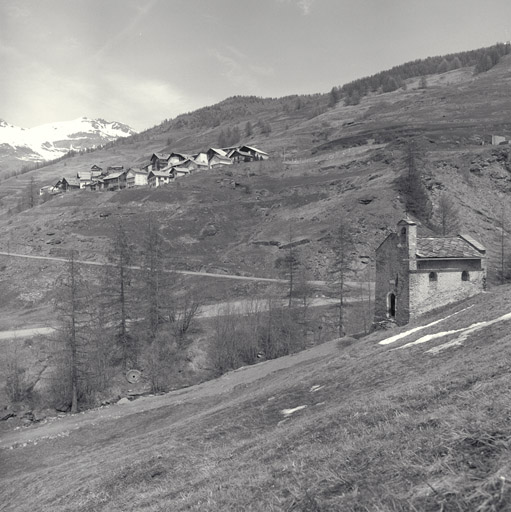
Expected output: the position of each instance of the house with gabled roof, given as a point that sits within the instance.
(189, 164)
(96, 171)
(180, 171)
(159, 178)
(136, 177)
(159, 161)
(416, 274)
(201, 159)
(237, 156)
(66, 184)
(217, 157)
(115, 181)
(178, 158)
(257, 154)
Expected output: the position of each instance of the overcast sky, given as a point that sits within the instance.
(141, 61)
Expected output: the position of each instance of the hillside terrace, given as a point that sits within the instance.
(162, 169)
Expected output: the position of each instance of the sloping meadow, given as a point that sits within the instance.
(364, 427)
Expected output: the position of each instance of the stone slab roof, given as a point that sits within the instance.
(447, 247)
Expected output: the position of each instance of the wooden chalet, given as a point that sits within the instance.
(178, 158)
(159, 161)
(257, 154)
(96, 171)
(115, 181)
(159, 178)
(136, 178)
(238, 156)
(67, 184)
(217, 157)
(201, 159)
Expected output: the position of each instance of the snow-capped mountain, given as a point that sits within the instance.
(53, 140)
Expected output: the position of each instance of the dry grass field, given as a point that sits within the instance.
(358, 427)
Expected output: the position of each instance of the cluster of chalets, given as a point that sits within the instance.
(162, 169)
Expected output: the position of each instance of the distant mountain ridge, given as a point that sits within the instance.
(53, 140)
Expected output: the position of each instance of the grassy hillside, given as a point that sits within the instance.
(335, 427)
(327, 163)
(360, 427)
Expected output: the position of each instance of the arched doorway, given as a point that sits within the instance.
(391, 305)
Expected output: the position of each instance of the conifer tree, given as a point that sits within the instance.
(118, 293)
(416, 198)
(342, 246)
(73, 308)
(448, 217)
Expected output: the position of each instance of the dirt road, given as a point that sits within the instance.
(350, 284)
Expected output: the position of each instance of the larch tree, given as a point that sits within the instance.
(118, 293)
(342, 247)
(289, 265)
(416, 197)
(154, 278)
(73, 309)
(448, 221)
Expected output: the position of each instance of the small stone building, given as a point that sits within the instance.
(417, 274)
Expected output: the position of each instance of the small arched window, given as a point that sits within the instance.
(433, 277)
(396, 282)
(465, 276)
(403, 234)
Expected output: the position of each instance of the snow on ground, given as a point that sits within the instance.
(288, 412)
(397, 337)
(40, 139)
(25, 333)
(464, 333)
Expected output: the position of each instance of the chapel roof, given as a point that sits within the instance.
(460, 246)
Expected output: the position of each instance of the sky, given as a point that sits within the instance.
(142, 61)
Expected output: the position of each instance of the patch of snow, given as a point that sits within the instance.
(288, 412)
(453, 343)
(315, 388)
(430, 337)
(466, 331)
(392, 339)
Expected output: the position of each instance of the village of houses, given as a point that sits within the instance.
(162, 169)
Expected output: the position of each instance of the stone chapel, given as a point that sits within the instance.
(418, 274)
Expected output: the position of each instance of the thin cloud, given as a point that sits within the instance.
(141, 13)
(305, 6)
(140, 101)
(239, 69)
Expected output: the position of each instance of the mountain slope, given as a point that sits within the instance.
(341, 164)
(358, 427)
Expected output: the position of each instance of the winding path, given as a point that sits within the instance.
(184, 272)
